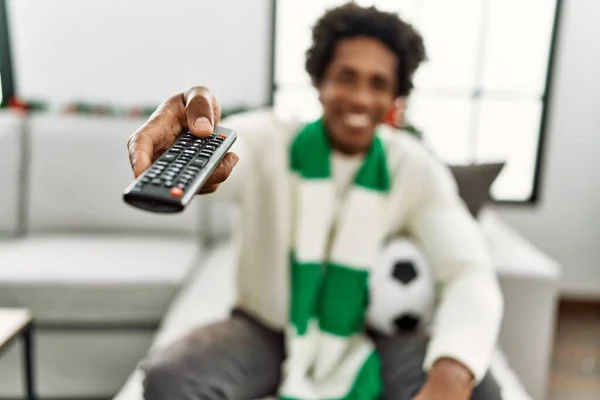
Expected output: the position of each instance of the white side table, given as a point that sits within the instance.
(15, 323)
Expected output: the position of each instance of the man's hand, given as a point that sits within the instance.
(196, 110)
(447, 380)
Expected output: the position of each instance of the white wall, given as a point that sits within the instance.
(138, 52)
(566, 224)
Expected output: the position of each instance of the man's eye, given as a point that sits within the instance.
(380, 84)
(345, 77)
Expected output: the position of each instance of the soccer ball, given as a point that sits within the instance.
(401, 290)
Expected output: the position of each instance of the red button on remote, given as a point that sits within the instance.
(176, 192)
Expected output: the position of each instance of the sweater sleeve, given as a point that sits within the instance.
(230, 190)
(470, 308)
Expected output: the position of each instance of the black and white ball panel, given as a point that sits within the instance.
(402, 289)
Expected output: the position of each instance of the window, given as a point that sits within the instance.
(6, 77)
(480, 97)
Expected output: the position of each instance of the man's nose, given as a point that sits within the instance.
(361, 97)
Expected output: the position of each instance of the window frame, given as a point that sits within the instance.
(7, 81)
(545, 99)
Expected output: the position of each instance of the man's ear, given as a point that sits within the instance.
(400, 106)
(395, 115)
(401, 103)
(319, 87)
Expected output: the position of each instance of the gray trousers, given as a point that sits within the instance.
(239, 359)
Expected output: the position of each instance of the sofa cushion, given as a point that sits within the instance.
(513, 254)
(94, 279)
(206, 297)
(78, 169)
(11, 128)
(474, 183)
(220, 220)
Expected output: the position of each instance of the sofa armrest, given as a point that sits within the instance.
(530, 284)
(11, 173)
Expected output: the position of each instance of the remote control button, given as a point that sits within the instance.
(163, 163)
(222, 135)
(151, 175)
(210, 147)
(175, 150)
(177, 192)
(168, 184)
(191, 152)
(178, 165)
(180, 186)
(169, 157)
(156, 181)
(145, 179)
(188, 175)
(192, 168)
(199, 162)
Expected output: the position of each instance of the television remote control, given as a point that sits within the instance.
(175, 177)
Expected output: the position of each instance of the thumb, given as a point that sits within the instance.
(203, 111)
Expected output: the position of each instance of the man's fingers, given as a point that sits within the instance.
(197, 110)
(203, 111)
(158, 133)
(223, 170)
(141, 148)
(209, 189)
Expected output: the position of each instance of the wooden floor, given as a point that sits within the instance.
(576, 363)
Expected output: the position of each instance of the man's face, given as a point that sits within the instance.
(357, 91)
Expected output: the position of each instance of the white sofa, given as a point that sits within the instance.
(107, 283)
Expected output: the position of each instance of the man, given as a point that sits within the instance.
(373, 183)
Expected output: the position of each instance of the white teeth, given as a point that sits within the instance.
(357, 120)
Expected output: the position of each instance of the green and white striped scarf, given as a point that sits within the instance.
(328, 355)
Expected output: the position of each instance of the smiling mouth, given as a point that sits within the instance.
(356, 120)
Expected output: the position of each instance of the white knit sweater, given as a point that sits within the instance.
(426, 206)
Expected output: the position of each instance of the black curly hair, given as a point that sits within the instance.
(351, 20)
